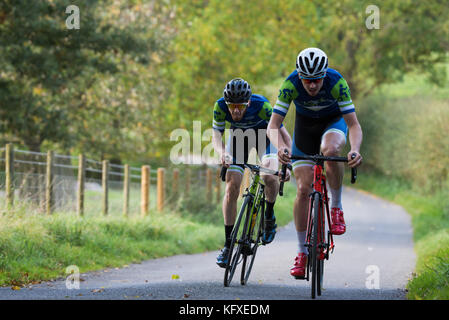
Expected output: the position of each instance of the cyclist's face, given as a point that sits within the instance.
(312, 86)
(237, 110)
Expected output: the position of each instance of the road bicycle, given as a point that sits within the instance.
(246, 235)
(319, 240)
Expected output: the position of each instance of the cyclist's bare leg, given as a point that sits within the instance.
(304, 180)
(331, 145)
(271, 181)
(233, 181)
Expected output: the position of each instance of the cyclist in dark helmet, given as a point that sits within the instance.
(248, 115)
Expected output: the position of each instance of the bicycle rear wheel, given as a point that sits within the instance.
(253, 241)
(235, 249)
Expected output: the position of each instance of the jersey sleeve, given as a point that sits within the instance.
(218, 122)
(266, 111)
(342, 94)
(287, 93)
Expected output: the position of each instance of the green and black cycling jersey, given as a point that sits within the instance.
(333, 99)
(257, 114)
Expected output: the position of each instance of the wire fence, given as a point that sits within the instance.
(50, 182)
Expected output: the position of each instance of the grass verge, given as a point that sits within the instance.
(35, 247)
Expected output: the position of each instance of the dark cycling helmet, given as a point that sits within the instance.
(237, 91)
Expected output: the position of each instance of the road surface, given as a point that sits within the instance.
(372, 260)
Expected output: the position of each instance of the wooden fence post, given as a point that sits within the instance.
(9, 171)
(145, 190)
(160, 188)
(175, 184)
(81, 184)
(187, 178)
(126, 190)
(49, 199)
(209, 183)
(104, 181)
(218, 185)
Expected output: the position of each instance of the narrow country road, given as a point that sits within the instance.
(373, 260)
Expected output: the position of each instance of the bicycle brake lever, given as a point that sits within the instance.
(223, 173)
(281, 186)
(353, 171)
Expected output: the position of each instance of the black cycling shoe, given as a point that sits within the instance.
(269, 230)
(222, 259)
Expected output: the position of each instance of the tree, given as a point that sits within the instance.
(48, 70)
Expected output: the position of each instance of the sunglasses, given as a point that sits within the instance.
(240, 106)
(309, 81)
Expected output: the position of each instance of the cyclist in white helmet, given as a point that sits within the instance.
(325, 114)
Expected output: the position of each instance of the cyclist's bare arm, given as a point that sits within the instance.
(219, 146)
(279, 137)
(355, 139)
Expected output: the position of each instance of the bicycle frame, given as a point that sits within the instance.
(256, 192)
(319, 186)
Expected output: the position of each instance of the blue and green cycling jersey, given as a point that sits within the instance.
(257, 114)
(334, 98)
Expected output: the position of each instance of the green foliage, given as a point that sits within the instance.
(88, 89)
(136, 70)
(222, 40)
(412, 36)
(407, 137)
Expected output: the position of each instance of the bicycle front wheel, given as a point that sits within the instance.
(235, 248)
(314, 254)
(253, 241)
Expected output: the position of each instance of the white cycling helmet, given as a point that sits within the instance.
(311, 63)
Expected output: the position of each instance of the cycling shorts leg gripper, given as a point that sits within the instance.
(339, 127)
(236, 168)
(302, 163)
(270, 156)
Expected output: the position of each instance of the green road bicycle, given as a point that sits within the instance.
(246, 236)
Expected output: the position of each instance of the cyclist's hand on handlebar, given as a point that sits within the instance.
(284, 155)
(287, 176)
(356, 161)
(226, 159)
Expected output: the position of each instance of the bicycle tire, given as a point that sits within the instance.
(235, 251)
(321, 274)
(314, 248)
(254, 236)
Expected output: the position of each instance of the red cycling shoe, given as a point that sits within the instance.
(338, 222)
(299, 268)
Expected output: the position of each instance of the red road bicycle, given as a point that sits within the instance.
(319, 240)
